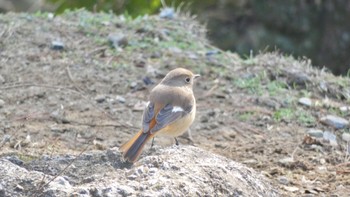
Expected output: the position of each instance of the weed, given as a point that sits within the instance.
(252, 84)
(245, 116)
(285, 114)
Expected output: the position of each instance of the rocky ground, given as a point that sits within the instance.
(76, 84)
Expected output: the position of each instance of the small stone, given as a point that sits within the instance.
(120, 99)
(291, 189)
(204, 119)
(19, 188)
(283, 180)
(147, 81)
(133, 84)
(335, 121)
(330, 137)
(305, 101)
(57, 45)
(100, 98)
(298, 79)
(168, 13)
(315, 133)
(2, 103)
(2, 190)
(287, 160)
(250, 161)
(346, 137)
(344, 108)
(118, 40)
(212, 52)
(132, 177)
(2, 79)
(323, 86)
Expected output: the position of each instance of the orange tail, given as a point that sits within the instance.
(133, 148)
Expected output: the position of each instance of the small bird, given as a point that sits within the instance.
(170, 111)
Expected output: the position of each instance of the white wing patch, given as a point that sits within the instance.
(177, 109)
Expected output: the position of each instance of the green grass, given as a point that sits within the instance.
(299, 115)
(286, 114)
(260, 83)
(252, 84)
(276, 87)
(245, 116)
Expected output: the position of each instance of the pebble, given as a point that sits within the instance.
(57, 45)
(335, 121)
(283, 180)
(100, 98)
(120, 99)
(305, 101)
(323, 86)
(287, 160)
(118, 40)
(2, 190)
(204, 119)
(344, 108)
(315, 133)
(291, 189)
(346, 136)
(2, 103)
(147, 81)
(298, 79)
(2, 79)
(327, 135)
(168, 13)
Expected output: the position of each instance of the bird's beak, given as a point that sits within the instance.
(196, 76)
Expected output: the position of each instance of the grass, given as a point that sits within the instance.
(284, 114)
(299, 115)
(245, 116)
(258, 84)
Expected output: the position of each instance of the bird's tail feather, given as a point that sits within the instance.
(133, 148)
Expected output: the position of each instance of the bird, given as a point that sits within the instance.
(170, 112)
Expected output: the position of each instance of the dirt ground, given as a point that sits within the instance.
(89, 94)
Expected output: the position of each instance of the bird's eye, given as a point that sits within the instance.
(188, 79)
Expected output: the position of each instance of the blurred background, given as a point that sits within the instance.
(317, 29)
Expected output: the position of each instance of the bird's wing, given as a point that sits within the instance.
(164, 117)
(168, 115)
(148, 115)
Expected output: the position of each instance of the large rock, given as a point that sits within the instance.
(173, 171)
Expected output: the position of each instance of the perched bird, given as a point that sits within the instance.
(170, 111)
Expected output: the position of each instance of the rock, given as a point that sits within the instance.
(291, 189)
(298, 78)
(147, 81)
(57, 45)
(175, 171)
(2, 79)
(211, 53)
(346, 136)
(305, 101)
(120, 99)
(315, 133)
(323, 86)
(100, 98)
(330, 137)
(118, 40)
(2, 103)
(167, 12)
(283, 180)
(286, 161)
(335, 121)
(344, 108)
(2, 190)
